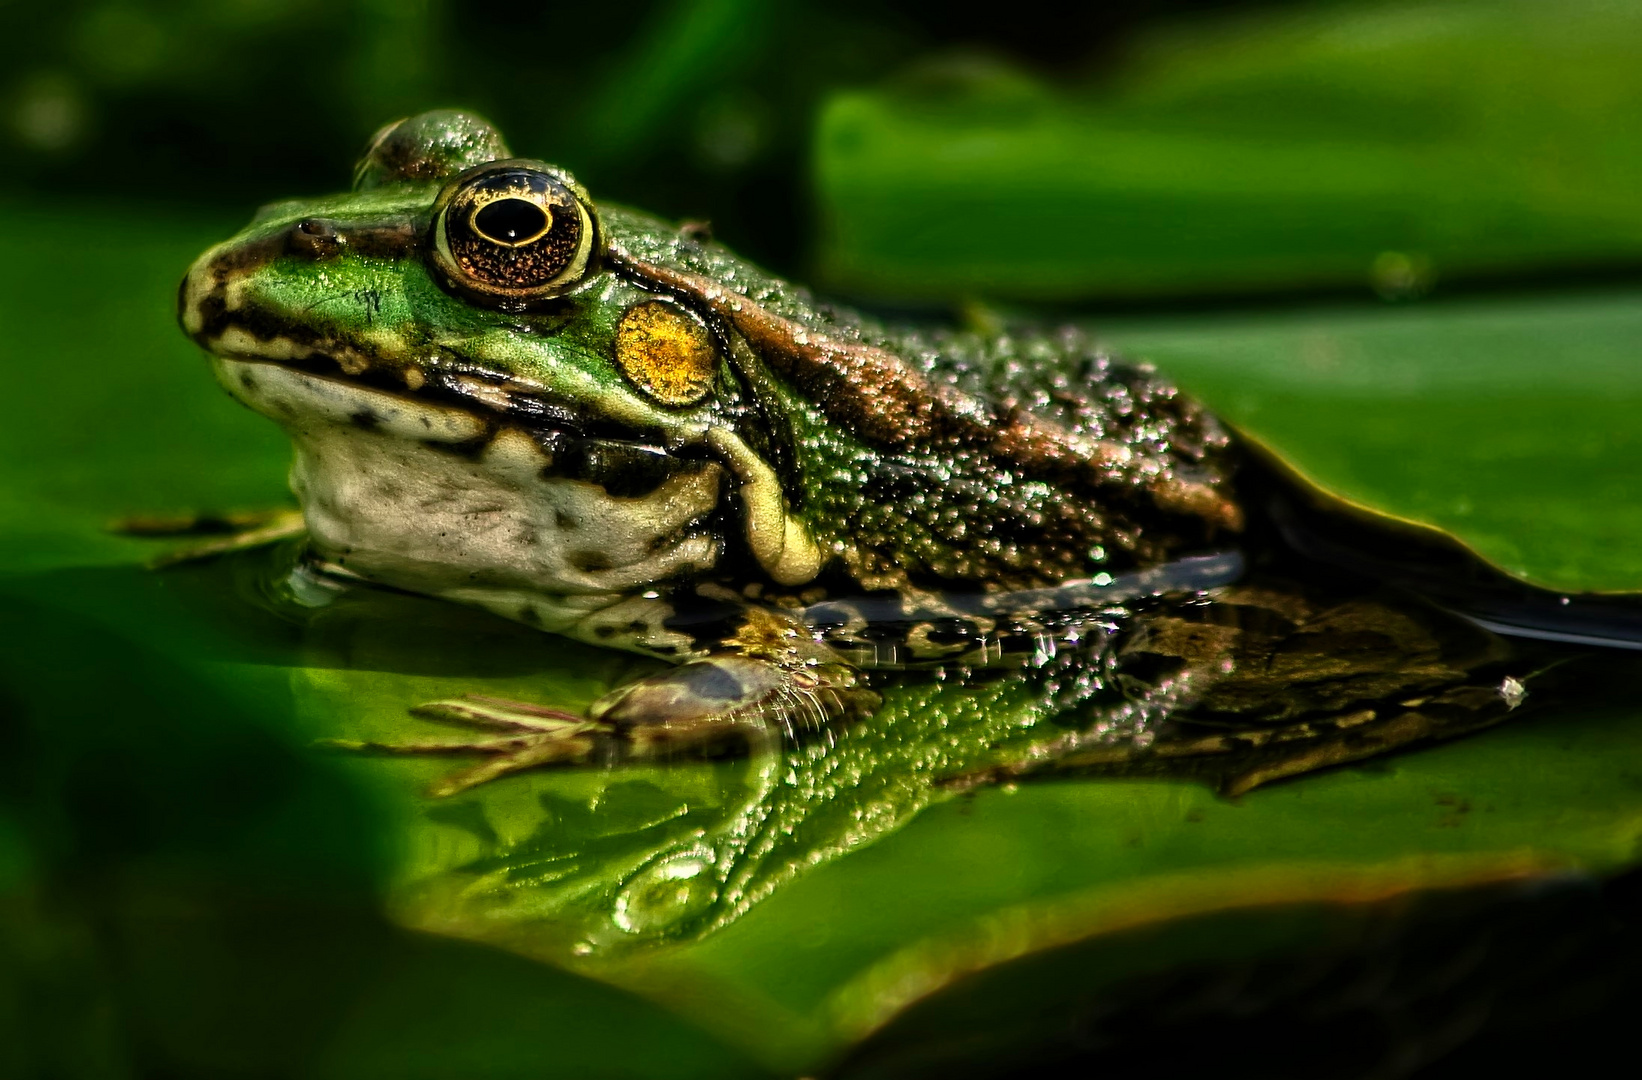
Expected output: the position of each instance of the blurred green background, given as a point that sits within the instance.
(1090, 153)
(1397, 239)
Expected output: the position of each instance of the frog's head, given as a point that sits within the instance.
(463, 366)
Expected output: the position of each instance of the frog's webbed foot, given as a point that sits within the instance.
(688, 707)
(530, 736)
(210, 535)
(703, 707)
(1240, 759)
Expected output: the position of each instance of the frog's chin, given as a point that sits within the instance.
(437, 500)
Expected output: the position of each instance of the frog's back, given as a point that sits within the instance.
(945, 460)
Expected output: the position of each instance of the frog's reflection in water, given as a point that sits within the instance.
(1235, 685)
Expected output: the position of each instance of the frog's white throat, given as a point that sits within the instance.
(394, 492)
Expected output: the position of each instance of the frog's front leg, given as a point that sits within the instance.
(210, 535)
(718, 704)
(761, 676)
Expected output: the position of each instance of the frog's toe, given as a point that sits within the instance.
(480, 710)
(533, 736)
(537, 736)
(531, 752)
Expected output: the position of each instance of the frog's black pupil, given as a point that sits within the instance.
(509, 221)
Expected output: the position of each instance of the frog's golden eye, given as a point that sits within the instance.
(512, 232)
(667, 352)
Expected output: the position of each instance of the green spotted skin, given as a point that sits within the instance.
(938, 495)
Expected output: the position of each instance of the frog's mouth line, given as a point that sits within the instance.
(482, 392)
(458, 413)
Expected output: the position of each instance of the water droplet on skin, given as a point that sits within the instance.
(666, 893)
(311, 588)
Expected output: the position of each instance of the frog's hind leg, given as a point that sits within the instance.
(1304, 748)
(1275, 678)
(1239, 760)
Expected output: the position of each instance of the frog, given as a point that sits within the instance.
(613, 429)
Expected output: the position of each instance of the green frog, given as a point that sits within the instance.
(609, 427)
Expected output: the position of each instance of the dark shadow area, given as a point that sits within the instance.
(1503, 981)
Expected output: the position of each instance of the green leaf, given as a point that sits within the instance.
(106, 412)
(1320, 147)
(1508, 422)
